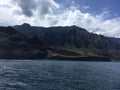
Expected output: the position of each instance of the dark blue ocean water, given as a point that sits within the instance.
(59, 75)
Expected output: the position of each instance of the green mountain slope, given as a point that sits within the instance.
(74, 39)
(15, 45)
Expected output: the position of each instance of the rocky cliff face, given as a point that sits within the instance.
(75, 39)
(27, 42)
(15, 45)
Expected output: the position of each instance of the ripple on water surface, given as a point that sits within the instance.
(59, 75)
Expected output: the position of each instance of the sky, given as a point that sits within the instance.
(97, 16)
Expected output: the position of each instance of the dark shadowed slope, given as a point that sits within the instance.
(14, 45)
(74, 39)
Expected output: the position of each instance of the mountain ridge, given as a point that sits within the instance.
(74, 38)
(15, 45)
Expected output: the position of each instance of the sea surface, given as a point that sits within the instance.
(59, 75)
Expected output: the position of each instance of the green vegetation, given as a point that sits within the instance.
(73, 39)
(14, 45)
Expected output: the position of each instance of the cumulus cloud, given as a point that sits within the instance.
(27, 6)
(46, 6)
(48, 13)
(85, 7)
(93, 23)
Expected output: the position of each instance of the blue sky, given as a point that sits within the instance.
(97, 16)
(94, 6)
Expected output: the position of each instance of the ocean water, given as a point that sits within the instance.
(59, 75)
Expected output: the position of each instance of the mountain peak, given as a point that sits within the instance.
(74, 26)
(26, 25)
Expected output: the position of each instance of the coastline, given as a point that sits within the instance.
(58, 58)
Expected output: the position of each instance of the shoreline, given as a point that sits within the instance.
(57, 58)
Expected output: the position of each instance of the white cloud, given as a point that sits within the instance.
(44, 14)
(85, 7)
